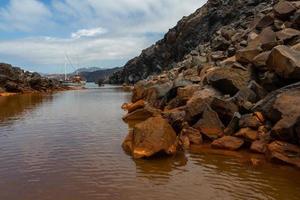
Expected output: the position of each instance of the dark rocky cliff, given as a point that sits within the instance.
(187, 35)
(16, 80)
(238, 89)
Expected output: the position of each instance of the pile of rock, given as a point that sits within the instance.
(16, 80)
(240, 90)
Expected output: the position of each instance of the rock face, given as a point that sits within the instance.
(150, 137)
(187, 35)
(15, 80)
(235, 85)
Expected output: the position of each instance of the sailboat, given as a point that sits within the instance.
(72, 81)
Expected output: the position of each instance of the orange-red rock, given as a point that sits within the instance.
(227, 142)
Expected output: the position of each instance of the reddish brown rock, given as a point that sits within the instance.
(127, 143)
(226, 109)
(284, 9)
(175, 117)
(265, 21)
(287, 104)
(248, 134)
(281, 152)
(227, 142)
(259, 146)
(150, 137)
(296, 47)
(287, 34)
(260, 60)
(251, 120)
(190, 136)
(188, 91)
(197, 103)
(285, 62)
(141, 114)
(210, 125)
(247, 55)
(130, 107)
(229, 80)
(267, 39)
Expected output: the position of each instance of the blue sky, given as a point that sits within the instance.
(36, 34)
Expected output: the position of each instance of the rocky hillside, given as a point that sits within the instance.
(100, 74)
(16, 80)
(239, 88)
(190, 34)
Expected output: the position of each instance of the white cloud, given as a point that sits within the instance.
(88, 32)
(51, 51)
(91, 31)
(25, 15)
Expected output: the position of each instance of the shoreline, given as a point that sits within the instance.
(8, 94)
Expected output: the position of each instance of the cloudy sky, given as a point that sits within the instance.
(37, 34)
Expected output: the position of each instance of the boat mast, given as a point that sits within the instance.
(66, 68)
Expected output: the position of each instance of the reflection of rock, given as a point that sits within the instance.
(160, 168)
(15, 105)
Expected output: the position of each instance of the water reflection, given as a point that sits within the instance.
(160, 168)
(14, 106)
(68, 146)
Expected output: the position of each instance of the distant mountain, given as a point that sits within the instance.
(87, 69)
(100, 74)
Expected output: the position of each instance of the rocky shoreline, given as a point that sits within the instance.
(14, 80)
(240, 90)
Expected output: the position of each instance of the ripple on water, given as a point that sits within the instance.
(67, 146)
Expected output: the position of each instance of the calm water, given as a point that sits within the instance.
(66, 146)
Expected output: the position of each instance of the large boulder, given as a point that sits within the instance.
(284, 9)
(247, 55)
(210, 125)
(188, 91)
(285, 153)
(282, 108)
(285, 62)
(141, 114)
(247, 134)
(287, 34)
(196, 105)
(130, 107)
(155, 135)
(189, 136)
(252, 120)
(228, 143)
(229, 80)
(287, 104)
(151, 91)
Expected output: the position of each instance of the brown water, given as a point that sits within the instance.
(66, 146)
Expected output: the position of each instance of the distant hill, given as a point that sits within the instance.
(100, 74)
(87, 69)
(93, 74)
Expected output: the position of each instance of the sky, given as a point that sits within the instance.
(38, 34)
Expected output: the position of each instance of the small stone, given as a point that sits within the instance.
(227, 142)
